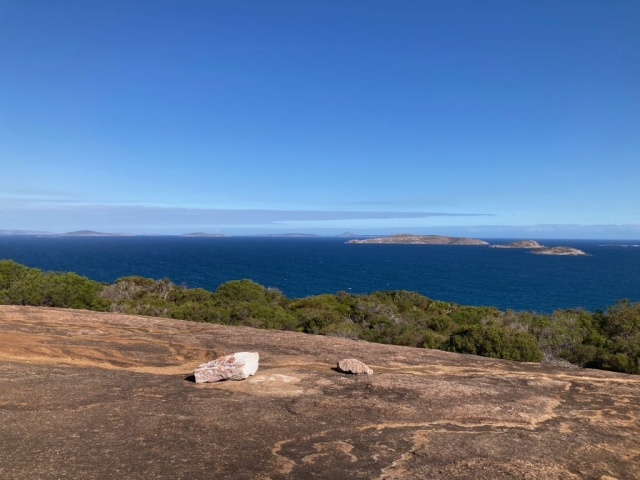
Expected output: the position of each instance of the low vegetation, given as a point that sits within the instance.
(608, 339)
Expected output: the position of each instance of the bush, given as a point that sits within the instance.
(20, 285)
(495, 341)
(240, 291)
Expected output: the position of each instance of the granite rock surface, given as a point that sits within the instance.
(91, 395)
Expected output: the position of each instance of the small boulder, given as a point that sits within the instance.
(236, 366)
(351, 365)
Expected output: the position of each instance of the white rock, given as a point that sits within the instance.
(351, 365)
(236, 366)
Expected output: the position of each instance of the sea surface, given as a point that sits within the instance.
(471, 275)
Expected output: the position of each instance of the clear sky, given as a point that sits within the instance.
(491, 117)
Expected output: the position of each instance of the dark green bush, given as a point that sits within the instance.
(20, 285)
(240, 291)
(495, 341)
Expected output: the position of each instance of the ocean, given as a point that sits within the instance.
(470, 275)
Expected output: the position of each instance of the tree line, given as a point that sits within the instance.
(607, 339)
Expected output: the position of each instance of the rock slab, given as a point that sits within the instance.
(351, 365)
(236, 366)
(432, 415)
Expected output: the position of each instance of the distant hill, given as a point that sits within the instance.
(23, 232)
(407, 238)
(347, 234)
(203, 234)
(91, 233)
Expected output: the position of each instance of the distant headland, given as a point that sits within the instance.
(203, 234)
(285, 235)
(407, 238)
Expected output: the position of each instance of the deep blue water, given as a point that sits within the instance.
(472, 275)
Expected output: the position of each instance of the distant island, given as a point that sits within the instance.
(557, 251)
(91, 233)
(347, 234)
(538, 249)
(520, 244)
(407, 238)
(203, 234)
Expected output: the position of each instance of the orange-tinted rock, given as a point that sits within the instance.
(102, 395)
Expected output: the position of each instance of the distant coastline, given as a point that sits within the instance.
(91, 233)
(290, 235)
(203, 234)
(354, 238)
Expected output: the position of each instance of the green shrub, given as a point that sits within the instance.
(497, 342)
(20, 285)
(240, 291)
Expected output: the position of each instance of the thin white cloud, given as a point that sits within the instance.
(136, 218)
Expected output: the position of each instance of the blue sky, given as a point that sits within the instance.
(491, 117)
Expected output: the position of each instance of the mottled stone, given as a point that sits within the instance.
(236, 366)
(351, 365)
(432, 415)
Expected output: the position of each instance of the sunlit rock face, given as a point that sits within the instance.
(236, 366)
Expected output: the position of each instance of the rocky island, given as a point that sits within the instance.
(409, 239)
(538, 249)
(557, 251)
(520, 244)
